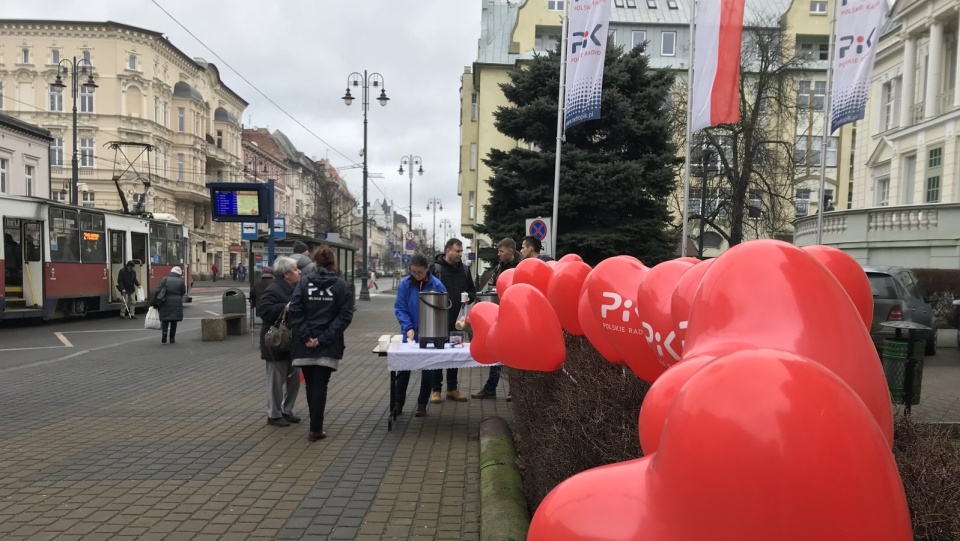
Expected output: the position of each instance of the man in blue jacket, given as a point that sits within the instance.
(407, 308)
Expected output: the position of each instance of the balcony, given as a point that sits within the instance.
(923, 236)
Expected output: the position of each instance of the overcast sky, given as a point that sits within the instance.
(299, 53)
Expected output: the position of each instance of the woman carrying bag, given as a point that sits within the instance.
(283, 379)
(320, 312)
(168, 299)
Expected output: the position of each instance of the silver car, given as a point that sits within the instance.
(897, 296)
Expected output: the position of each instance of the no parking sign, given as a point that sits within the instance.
(539, 228)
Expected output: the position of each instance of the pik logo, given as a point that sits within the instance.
(655, 338)
(587, 38)
(617, 302)
(862, 44)
(311, 289)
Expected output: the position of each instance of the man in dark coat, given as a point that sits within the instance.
(509, 259)
(128, 283)
(449, 268)
(171, 290)
(258, 288)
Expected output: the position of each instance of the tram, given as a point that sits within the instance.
(59, 260)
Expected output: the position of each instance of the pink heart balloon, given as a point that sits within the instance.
(654, 297)
(527, 334)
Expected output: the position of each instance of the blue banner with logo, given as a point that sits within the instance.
(855, 49)
(588, 28)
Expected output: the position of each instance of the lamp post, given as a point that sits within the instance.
(432, 204)
(444, 224)
(411, 161)
(74, 68)
(365, 81)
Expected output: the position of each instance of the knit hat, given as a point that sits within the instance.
(268, 270)
(299, 247)
(176, 270)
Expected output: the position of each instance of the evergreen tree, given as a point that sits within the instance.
(616, 172)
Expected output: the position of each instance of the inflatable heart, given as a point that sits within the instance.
(535, 272)
(564, 294)
(527, 334)
(850, 275)
(777, 467)
(657, 402)
(612, 287)
(654, 297)
(483, 316)
(592, 330)
(682, 301)
(688, 259)
(570, 257)
(771, 294)
(504, 281)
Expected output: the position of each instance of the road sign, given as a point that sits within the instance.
(248, 231)
(396, 254)
(407, 258)
(280, 228)
(540, 229)
(261, 248)
(471, 256)
(410, 245)
(409, 235)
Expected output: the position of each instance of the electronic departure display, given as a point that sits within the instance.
(239, 202)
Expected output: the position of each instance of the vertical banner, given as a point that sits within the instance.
(716, 63)
(587, 46)
(858, 31)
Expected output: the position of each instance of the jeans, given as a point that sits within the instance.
(172, 325)
(283, 384)
(438, 379)
(317, 378)
(493, 379)
(400, 389)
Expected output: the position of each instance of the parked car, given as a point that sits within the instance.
(897, 296)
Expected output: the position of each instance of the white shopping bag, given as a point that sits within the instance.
(153, 319)
(141, 296)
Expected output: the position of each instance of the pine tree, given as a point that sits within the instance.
(616, 174)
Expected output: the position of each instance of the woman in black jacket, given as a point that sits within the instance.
(283, 379)
(320, 312)
(168, 298)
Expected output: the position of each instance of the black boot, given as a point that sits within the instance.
(163, 339)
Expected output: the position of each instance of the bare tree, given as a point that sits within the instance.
(332, 204)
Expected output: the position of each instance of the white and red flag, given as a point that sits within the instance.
(716, 63)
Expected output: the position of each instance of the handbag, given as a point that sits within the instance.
(160, 296)
(279, 335)
(152, 321)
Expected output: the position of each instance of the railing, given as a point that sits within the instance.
(918, 110)
(946, 102)
(933, 223)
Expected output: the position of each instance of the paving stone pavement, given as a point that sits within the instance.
(170, 442)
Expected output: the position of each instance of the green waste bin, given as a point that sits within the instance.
(234, 302)
(894, 360)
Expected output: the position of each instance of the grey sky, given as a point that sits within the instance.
(299, 53)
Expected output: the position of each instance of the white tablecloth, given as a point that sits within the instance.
(410, 356)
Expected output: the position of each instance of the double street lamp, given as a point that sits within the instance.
(75, 69)
(444, 224)
(365, 81)
(411, 161)
(433, 204)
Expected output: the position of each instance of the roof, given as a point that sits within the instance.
(265, 142)
(26, 128)
(184, 90)
(222, 115)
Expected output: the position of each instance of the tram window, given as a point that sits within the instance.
(93, 241)
(174, 248)
(158, 244)
(64, 236)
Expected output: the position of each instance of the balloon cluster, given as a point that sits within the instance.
(769, 415)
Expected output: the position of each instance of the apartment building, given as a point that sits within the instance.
(24, 158)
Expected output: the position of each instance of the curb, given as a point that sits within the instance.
(504, 515)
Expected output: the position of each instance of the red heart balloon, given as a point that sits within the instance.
(552, 263)
(682, 301)
(564, 294)
(777, 467)
(592, 330)
(655, 296)
(850, 275)
(612, 287)
(657, 402)
(771, 294)
(504, 281)
(535, 272)
(527, 334)
(571, 257)
(691, 260)
(483, 316)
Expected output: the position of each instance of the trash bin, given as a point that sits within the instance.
(895, 365)
(234, 302)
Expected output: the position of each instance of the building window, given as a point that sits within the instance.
(806, 50)
(298, 208)
(1, 96)
(56, 100)
(132, 62)
(138, 200)
(802, 201)
(25, 56)
(638, 37)
(181, 119)
(819, 90)
(668, 44)
(934, 167)
(56, 152)
(472, 208)
(909, 178)
(473, 156)
(156, 110)
(180, 168)
(618, 3)
(935, 158)
(824, 51)
(59, 196)
(632, 4)
(3, 175)
(219, 175)
(86, 152)
(89, 199)
(28, 178)
(933, 189)
(890, 96)
(55, 56)
(87, 56)
(672, 4)
(652, 4)
(545, 42)
(219, 138)
(554, 5)
(86, 99)
(804, 95)
(812, 158)
(818, 7)
(474, 107)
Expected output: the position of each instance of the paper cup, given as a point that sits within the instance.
(384, 344)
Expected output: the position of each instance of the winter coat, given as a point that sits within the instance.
(407, 305)
(172, 307)
(127, 280)
(270, 306)
(456, 278)
(257, 290)
(504, 266)
(322, 308)
(304, 263)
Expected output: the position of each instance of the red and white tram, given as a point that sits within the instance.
(59, 260)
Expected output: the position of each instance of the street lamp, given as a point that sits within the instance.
(444, 224)
(365, 81)
(432, 204)
(411, 161)
(75, 69)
